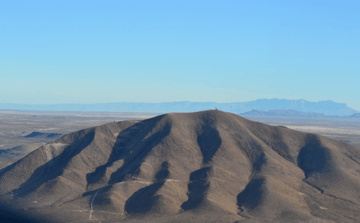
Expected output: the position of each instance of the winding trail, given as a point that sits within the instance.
(91, 203)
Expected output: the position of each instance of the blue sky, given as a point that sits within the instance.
(161, 51)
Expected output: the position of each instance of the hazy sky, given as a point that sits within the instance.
(160, 51)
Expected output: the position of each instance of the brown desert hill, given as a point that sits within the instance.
(208, 166)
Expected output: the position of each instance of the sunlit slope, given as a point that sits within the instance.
(183, 166)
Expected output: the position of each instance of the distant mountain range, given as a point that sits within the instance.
(322, 107)
(293, 114)
(283, 113)
(356, 115)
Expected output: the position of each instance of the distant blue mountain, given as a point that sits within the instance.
(285, 113)
(324, 107)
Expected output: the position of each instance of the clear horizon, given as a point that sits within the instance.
(174, 102)
(89, 52)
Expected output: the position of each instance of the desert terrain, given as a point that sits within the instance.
(23, 131)
(17, 128)
(209, 166)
